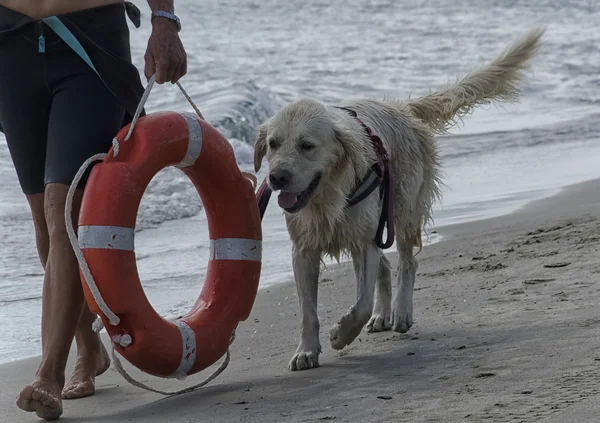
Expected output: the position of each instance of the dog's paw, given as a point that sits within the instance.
(304, 360)
(337, 337)
(345, 331)
(379, 323)
(401, 322)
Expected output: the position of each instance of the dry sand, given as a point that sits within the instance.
(507, 330)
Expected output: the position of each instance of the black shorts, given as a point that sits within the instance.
(55, 110)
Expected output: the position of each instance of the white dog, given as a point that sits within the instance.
(322, 156)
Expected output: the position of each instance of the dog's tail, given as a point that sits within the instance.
(497, 81)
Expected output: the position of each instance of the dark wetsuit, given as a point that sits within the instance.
(54, 109)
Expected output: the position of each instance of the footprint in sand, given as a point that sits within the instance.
(536, 281)
(556, 265)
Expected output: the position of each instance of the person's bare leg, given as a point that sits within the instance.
(92, 359)
(42, 239)
(62, 303)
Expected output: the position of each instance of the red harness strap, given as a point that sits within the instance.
(262, 197)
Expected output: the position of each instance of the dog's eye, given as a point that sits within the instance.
(273, 144)
(306, 146)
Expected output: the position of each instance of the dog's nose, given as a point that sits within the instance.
(279, 178)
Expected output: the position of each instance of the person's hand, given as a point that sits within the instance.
(165, 55)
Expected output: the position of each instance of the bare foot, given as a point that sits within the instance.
(42, 397)
(82, 383)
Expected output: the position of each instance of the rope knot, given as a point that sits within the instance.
(97, 325)
(124, 340)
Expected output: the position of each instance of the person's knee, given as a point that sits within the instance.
(36, 204)
(54, 209)
(55, 200)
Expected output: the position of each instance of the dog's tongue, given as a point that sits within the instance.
(286, 200)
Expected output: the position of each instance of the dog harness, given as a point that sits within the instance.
(377, 176)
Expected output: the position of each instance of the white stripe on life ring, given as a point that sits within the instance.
(121, 238)
(235, 249)
(106, 237)
(194, 140)
(188, 353)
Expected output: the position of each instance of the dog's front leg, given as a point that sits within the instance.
(306, 273)
(366, 264)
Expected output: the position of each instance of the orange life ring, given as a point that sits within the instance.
(106, 236)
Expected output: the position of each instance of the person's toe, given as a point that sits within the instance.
(38, 397)
(79, 390)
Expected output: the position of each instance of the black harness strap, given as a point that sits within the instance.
(366, 186)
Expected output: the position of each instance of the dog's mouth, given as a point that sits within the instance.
(293, 202)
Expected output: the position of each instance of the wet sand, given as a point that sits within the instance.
(507, 329)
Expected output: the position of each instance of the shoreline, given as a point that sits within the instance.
(440, 234)
(505, 325)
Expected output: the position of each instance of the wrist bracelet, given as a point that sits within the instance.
(161, 14)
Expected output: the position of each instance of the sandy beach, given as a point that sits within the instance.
(507, 330)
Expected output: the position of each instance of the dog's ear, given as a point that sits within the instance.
(260, 146)
(349, 149)
(353, 152)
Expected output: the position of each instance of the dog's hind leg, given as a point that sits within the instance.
(306, 273)
(382, 310)
(402, 305)
(366, 264)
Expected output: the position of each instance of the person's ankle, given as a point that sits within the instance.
(96, 353)
(88, 345)
(51, 374)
